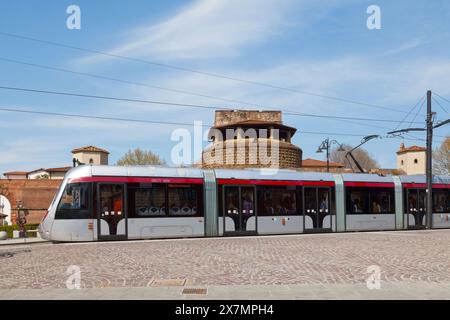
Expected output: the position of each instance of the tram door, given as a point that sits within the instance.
(111, 211)
(316, 209)
(239, 209)
(416, 208)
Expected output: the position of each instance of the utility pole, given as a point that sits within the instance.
(429, 168)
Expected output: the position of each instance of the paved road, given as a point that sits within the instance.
(299, 261)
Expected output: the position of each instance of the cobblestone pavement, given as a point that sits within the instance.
(300, 259)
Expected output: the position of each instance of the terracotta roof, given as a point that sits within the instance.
(15, 173)
(62, 169)
(256, 123)
(90, 149)
(320, 163)
(412, 148)
(37, 170)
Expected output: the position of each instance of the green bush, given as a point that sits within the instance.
(9, 229)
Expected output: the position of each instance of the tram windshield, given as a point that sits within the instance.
(74, 202)
(75, 197)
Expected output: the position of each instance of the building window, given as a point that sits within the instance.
(91, 161)
(416, 161)
(401, 162)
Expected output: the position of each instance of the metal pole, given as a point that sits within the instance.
(328, 155)
(429, 171)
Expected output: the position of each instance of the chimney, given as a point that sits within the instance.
(402, 146)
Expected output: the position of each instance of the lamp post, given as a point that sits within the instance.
(325, 145)
(2, 216)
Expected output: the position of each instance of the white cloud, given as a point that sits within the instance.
(207, 28)
(405, 46)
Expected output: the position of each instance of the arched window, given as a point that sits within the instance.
(5, 209)
(91, 161)
(416, 161)
(401, 162)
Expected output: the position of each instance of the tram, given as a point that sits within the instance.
(97, 203)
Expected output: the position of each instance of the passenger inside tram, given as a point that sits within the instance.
(324, 204)
(356, 207)
(247, 204)
(376, 207)
(288, 204)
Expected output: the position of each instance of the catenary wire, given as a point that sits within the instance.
(211, 74)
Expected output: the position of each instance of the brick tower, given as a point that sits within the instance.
(251, 139)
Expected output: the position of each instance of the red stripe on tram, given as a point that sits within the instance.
(424, 185)
(369, 184)
(275, 182)
(137, 180)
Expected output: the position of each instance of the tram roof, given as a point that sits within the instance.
(245, 174)
(364, 177)
(134, 171)
(272, 174)
(420, 178)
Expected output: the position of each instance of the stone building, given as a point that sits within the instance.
(90, 155)
(251, 139)
(411, 160)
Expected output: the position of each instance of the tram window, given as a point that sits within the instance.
(277, 201)
(149, 201)
(74, 203)
(184, 200)
(381, 201)
(416, 200)
(413, 203)
(370, 201)
(422, 200)
(359, 201)
(441, 201)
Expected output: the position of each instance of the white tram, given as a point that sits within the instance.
(118, 203)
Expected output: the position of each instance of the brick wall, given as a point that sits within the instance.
(289, 155)
(225, 117)
(32, 194)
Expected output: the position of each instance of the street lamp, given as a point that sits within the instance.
(2, 216)
(325, 145)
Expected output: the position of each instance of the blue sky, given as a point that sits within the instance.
(322, 47)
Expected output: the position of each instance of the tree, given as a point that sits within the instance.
(441, 158)
(363, 157)
(139, 157)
